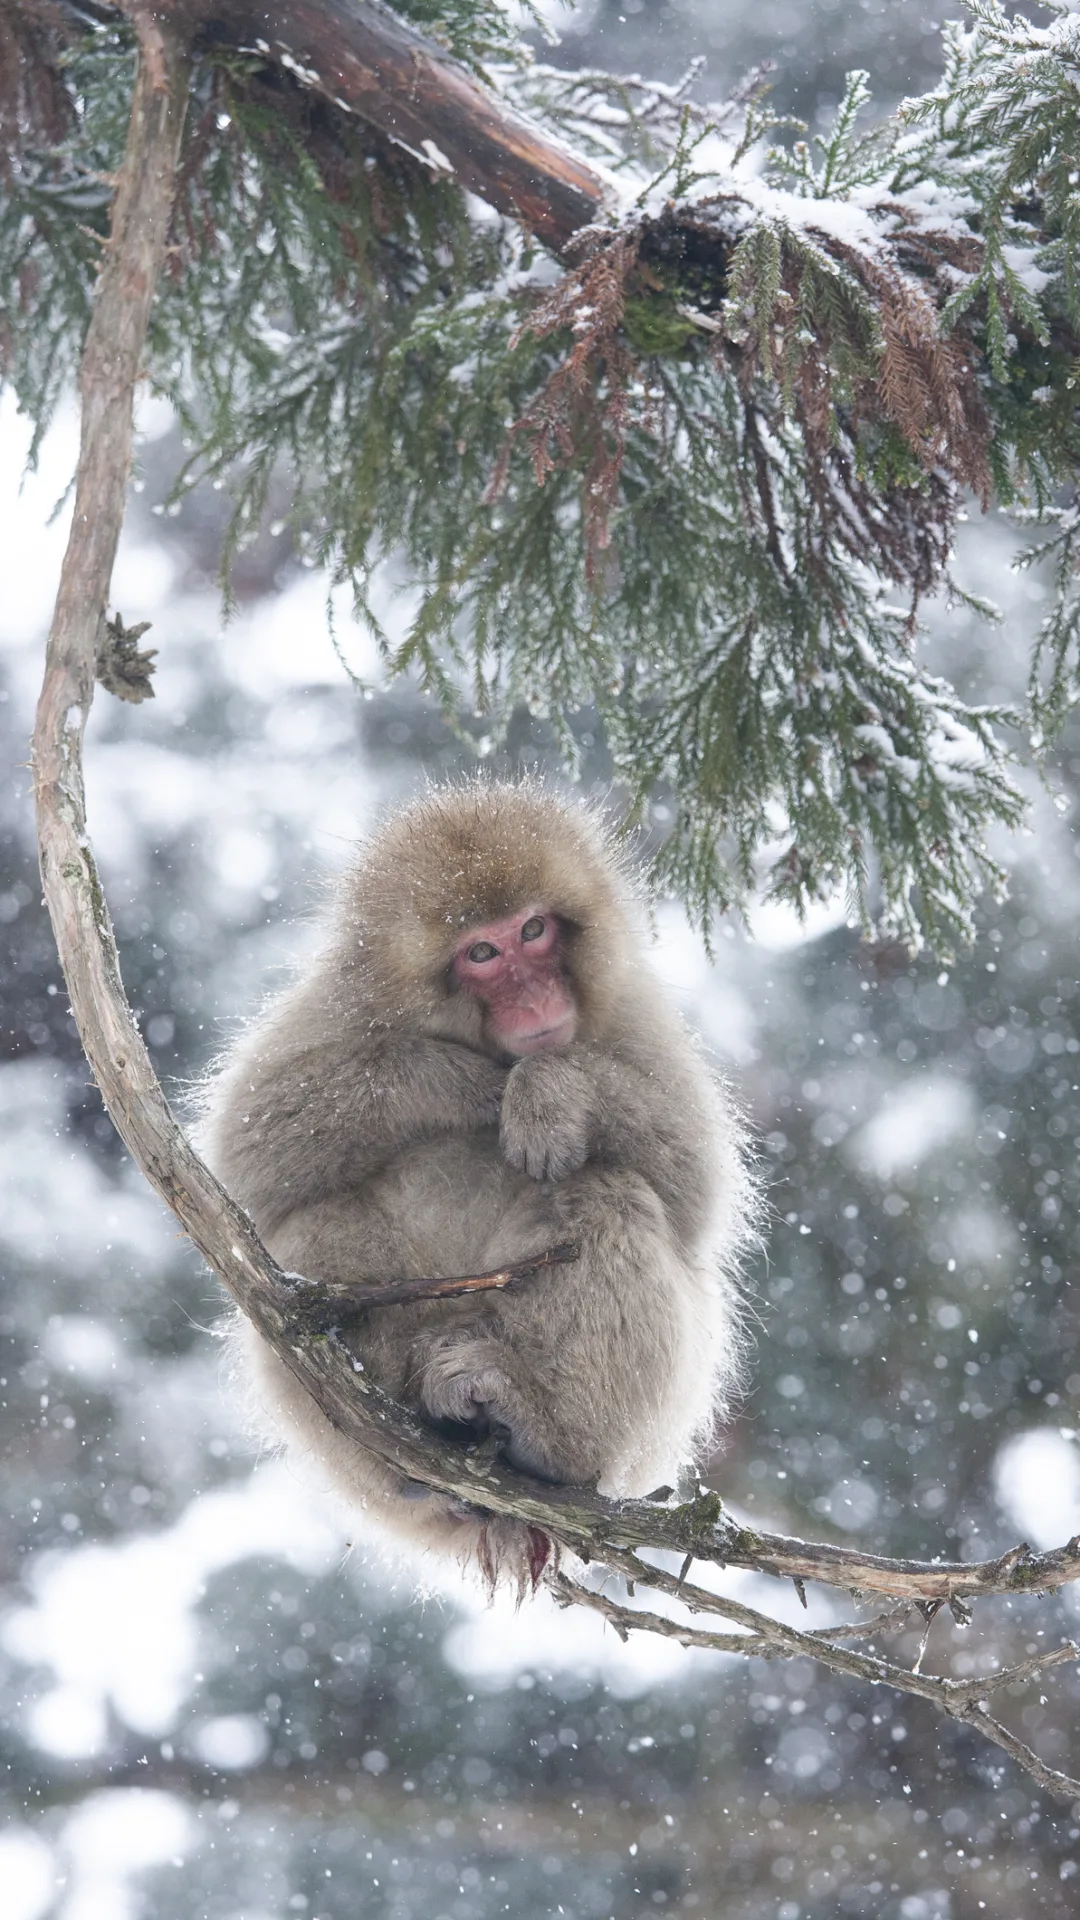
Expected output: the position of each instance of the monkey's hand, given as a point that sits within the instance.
(418, 1084)
(546, 1119)
(469, 1085)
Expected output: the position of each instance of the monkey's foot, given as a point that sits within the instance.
(528, 1552)
(462, 1383)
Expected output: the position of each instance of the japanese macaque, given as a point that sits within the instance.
(478, 1067)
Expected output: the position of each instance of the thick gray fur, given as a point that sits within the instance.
(371, 1132)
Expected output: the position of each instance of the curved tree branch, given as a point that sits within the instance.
(591, 1527)
(368, 61)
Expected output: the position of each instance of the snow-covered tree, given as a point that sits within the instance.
(663, 410)
(661, 413)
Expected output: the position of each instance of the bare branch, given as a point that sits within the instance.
(323, 1304)
(892, 1621)
(1017, 1571)
(771, 1639)
(1024, 1670)
(1061, 1785)
(569, 1593)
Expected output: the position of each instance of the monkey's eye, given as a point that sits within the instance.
(482, 951)
(533, 928)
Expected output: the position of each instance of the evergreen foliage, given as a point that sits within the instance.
(699, 478)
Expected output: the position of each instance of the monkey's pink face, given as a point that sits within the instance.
(516, 968)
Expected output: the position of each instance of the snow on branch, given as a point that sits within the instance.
(697, 466)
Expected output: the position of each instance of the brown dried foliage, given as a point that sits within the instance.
(917, 381)
(903, 531)
(839, 387)
(583, 409)
(926, 383)
(925, 387)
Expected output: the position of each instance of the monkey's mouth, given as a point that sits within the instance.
(560, 1035)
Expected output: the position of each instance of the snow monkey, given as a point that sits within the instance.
(478, 1067)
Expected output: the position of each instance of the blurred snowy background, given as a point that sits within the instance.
(212, 1707)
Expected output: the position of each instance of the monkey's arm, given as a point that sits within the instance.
(662, 1120)
(293, 1126)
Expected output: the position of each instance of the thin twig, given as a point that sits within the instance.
(1061, 1785)
(894, 1621)
(323, 1303)
(626, 1619)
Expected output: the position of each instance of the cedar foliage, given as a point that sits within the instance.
(698, 477)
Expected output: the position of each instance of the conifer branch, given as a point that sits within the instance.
(701, 482)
